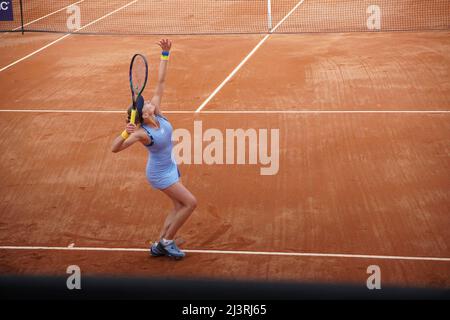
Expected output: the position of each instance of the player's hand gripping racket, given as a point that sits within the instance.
(138, 80)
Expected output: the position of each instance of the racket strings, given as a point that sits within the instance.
(139, 74)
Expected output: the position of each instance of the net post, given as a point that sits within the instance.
(269, 15)
(21, 17)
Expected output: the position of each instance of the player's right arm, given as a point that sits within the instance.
(127, 138)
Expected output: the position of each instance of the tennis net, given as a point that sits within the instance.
(166, 17)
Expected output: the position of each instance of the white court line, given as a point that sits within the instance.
(65, 36)
(322, 111)
(46, 16)
(61, 111)
(238, 111)
(234, 252)
(231, 75)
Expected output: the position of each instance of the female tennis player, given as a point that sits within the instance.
(155, 133)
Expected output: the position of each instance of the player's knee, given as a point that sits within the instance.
(191, 203)
(178, 205)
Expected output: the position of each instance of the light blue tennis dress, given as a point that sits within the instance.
(162, 170)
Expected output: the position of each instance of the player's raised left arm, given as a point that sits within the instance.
(165, 45)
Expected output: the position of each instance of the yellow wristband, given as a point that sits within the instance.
(125, 135)
(164, 57)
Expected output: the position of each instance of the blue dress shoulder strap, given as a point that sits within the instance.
(149, 135)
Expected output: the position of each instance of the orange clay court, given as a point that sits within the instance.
(364, 148)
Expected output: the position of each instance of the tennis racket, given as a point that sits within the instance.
(138, 80)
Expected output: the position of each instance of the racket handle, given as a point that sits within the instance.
(124, 135)
(133, 116)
